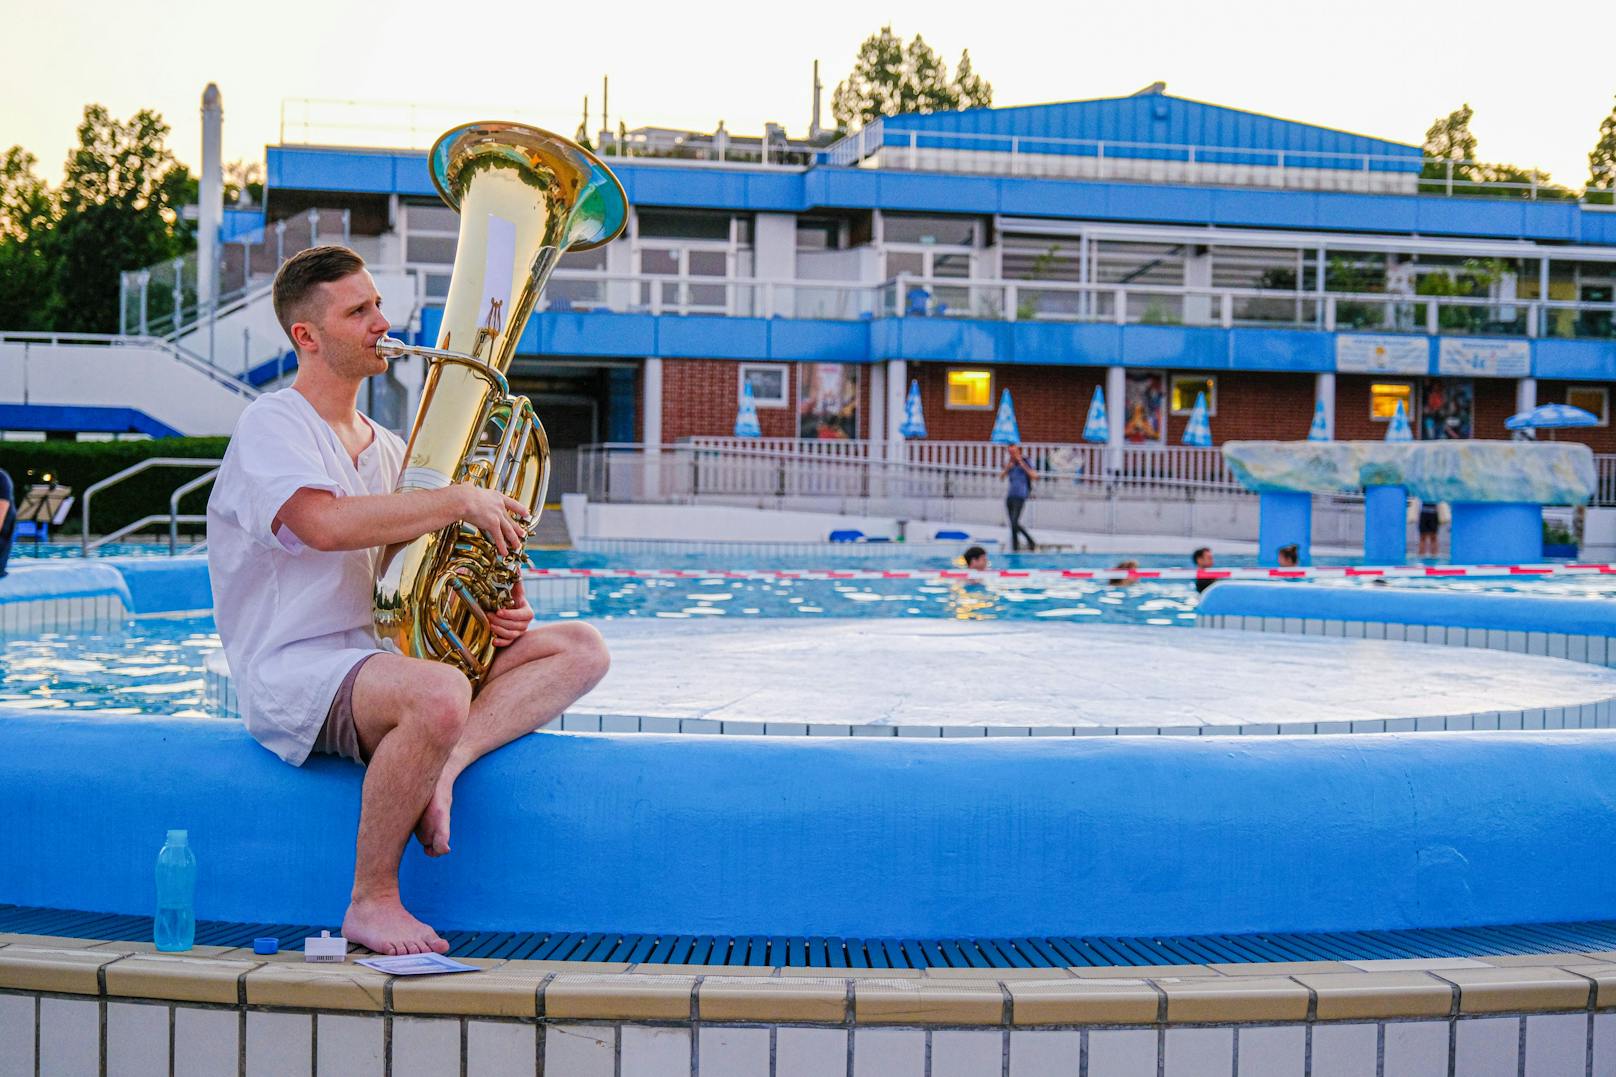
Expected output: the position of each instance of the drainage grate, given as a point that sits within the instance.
(1053, 951)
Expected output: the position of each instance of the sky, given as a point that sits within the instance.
(1540, 79)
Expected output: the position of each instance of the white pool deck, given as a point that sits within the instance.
(967, 678)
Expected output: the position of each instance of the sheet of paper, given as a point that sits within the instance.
(415, 964)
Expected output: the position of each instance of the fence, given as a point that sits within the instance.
(883, 146)
(1058, 301)
(792, 468)
(162, 300)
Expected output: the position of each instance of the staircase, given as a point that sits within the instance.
(552, 532)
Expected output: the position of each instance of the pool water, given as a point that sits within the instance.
(146, 667)
(154, 666)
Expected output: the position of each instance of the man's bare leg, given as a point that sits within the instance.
(410, 713)
(531, 681)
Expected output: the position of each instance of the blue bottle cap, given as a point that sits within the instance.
(266, 946)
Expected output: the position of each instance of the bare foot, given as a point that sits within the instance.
(432, 831)
(386, 927)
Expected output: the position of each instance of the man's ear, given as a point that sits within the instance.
(302, 336)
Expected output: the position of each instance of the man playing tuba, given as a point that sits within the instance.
(299, 517)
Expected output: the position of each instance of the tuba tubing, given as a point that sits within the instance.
(525, 197)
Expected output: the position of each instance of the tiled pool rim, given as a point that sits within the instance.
(86, 1006)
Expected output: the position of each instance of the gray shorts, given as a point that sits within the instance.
(339, 735)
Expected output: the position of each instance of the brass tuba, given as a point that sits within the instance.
(525, 197)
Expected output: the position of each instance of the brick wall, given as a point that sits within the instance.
(700, 398)
(1051, 402)
(1494, 402)
(1264, 407)
(1598, 438)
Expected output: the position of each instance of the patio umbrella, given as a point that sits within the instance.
(1005, 431)
(1097, 429)
(914, 423)
(746, 420)
(1198, 432)
(1398, 429)
(1320, 430)
(1551, 417)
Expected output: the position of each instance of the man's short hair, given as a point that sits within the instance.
(303, 273)
(1293, 552)
(973, 553)
(1199, 550)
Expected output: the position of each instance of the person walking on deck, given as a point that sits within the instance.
(1021, 477)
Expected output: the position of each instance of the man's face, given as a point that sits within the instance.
(1205, 560)
(345, 325)
(979, 562)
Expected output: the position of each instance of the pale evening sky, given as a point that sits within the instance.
(1539, 78)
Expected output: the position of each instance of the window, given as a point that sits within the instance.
(1384, 398)
(1592, 398)
(1185, 387)
(945, 231)
(672, 224)
(819, 234)
(768, 382)
(970, 389)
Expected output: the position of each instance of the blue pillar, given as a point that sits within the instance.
(1496, 533)
(1285, 517)
(1385, 525)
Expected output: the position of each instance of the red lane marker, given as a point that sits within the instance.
(1365, 571)
(1287, 573)
(1522, 570)
(1431, 570)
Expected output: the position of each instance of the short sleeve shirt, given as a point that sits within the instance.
(293, 620)
(1019, 484)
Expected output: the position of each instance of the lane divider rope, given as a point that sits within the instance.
(1051, 574)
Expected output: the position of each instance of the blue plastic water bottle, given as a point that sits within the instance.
(175, 929)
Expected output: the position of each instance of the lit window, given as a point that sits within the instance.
(970, 388)
(1384, 398)
(1184, 392)
(1591, 398)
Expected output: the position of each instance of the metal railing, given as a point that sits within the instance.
(162, 299)
(88, 546)
(1061, 301)
(886, 146)
(791, 468)
(178, 353)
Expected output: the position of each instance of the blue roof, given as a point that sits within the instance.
(754, 190)
(1153, 118)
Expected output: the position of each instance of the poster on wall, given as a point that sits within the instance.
(1144, 408)
(1364, 353)
(827, 401)
(1447, 408)
(1484, 358)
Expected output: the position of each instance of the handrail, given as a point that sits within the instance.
(179, 353)
(174, 507)
(150, 462)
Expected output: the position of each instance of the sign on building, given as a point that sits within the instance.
(1363, 353)
(1471, 358)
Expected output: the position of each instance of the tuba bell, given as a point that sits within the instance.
(525, 197)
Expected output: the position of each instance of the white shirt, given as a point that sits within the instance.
(293, 619)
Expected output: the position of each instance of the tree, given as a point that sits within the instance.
(972, 89)
(889, 78)
(1452, 165)
(26, 216)
(1602, 159)
(1450, 149)
(118, 208)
